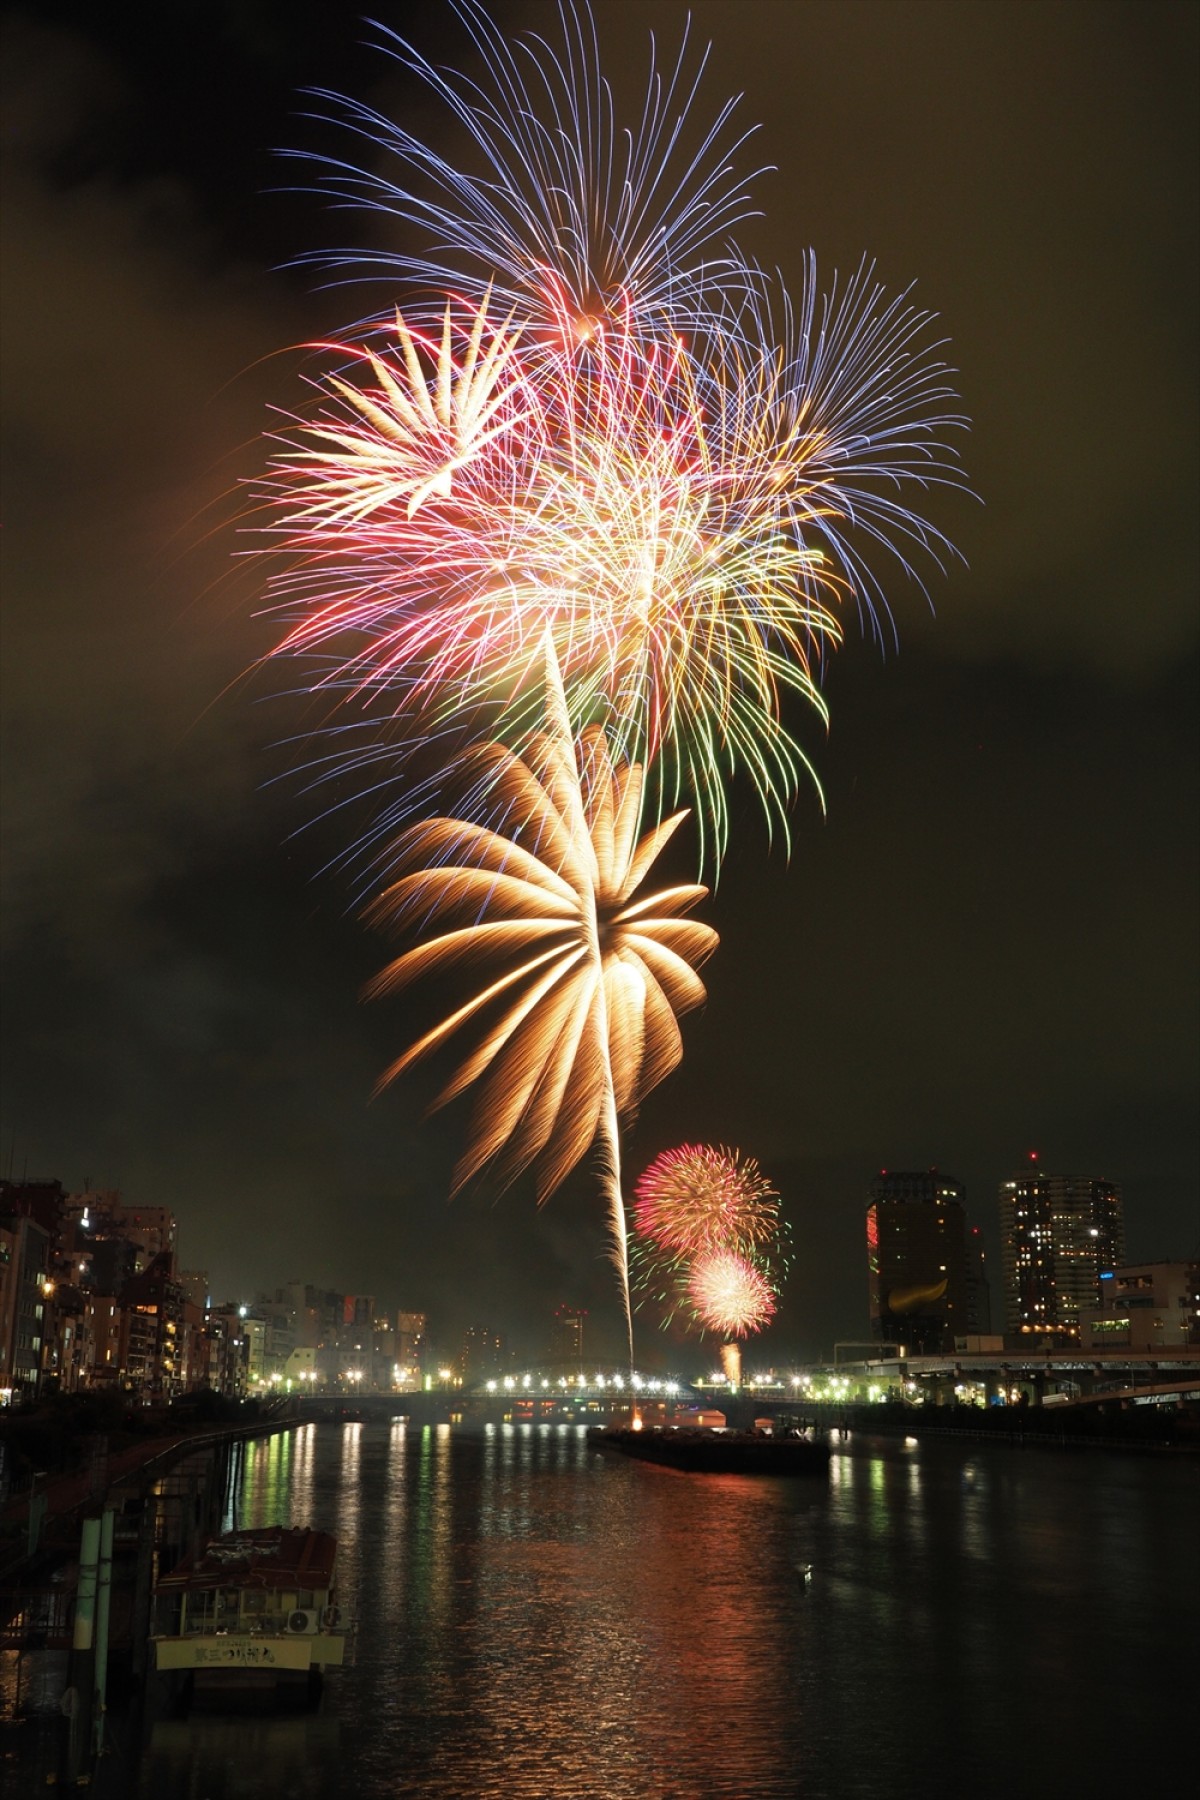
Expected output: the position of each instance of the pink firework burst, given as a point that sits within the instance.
(729, 1294)
(698, 1198)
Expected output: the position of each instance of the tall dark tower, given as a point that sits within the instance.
(979, 1292)
(917, 1260)
(566, 1336)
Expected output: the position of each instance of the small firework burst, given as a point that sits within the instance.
(729, 1293)
(698, 1198)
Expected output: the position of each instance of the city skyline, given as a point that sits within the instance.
(988, 945)
(991, 1301)
(94, 1300)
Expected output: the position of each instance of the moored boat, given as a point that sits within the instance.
(251, 1612)
(702, 1451)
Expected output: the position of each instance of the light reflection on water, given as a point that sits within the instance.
(538, 1621)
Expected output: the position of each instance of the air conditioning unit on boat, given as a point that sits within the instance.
(304, 1621)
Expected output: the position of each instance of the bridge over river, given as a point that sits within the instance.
(1167, 1376)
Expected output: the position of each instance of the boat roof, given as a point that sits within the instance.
(273, 1557)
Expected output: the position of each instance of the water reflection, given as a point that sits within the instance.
(302, 1472)
(267, 1497)
(538, 1621)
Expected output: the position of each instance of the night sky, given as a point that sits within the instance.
(989, 943)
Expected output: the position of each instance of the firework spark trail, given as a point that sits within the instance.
(570, 211)
(408, 442)
(589, 979)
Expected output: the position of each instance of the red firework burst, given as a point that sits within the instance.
(698, 1198)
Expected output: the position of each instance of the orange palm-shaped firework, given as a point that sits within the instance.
(581, 1015)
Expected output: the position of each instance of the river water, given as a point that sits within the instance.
(535, 1620)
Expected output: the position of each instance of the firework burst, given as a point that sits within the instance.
(680, 533)
(655, 460)
(709, 1239)
(697, 1198)
(582, 516)
(571, 215)
(730, 1294)
(586, 978)
(406, 439)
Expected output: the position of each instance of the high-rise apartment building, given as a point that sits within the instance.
(481, 1353)
(917, 1260)
(410, 1341)
(1059, 1234)
(979, 1288)
(566, 1336)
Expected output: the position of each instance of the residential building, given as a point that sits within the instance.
(66, 1339)
(25, 1286)
(1058, 1234)
(153, 1351)
(102, 1325)
(1143, 1306)
(228, 1350)
(480, 1354)
(411, 1331)
(254, 1338)
(566, 1336)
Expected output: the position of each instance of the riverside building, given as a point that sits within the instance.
(1144, 1306)
(1058, 1235)
(917, 1260)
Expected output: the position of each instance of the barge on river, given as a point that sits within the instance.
(250, 1613)
(701, 1451)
